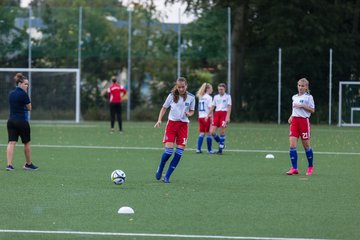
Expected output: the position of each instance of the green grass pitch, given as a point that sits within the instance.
(240, 194)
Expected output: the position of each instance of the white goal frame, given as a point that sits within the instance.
(53, 70)
(340, 123)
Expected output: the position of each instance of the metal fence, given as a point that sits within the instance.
(147, 55)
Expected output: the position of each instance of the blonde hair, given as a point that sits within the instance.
(306, 82)
(175, 91)
(202, 90)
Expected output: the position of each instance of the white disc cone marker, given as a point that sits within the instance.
(269, 156)
(126, 210)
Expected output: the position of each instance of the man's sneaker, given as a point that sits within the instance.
(219, 152)
(158, 175)
(292, 171)
(30, 166)
(198, 151)
(211, 152)
(9, 168)
(166, 180)
(309, 171)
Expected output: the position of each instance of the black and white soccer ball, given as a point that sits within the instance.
(118, 177)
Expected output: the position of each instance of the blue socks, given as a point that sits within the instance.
(209, 143)
(164, 158)
(293, 157)
(310, 156)
(217, 138)
(221, 143)
(200, 141)
(174, 163)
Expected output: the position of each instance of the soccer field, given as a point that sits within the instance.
(239, 195)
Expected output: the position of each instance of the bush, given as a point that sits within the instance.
(145, 113)
(96, 114)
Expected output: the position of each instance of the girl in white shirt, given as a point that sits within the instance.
(222, 106)
(204, 107)
(182, 106)
(302, 107)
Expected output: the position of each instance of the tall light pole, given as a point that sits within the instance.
(29, 49)
(130, 10)
(179, 47)
(330, 82)
(30, 54)
(79, 68)
(279, 85)
(229, 50)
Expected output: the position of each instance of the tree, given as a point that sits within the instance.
(103, 47)
(239, 15)
(305, 30)
(13, 39)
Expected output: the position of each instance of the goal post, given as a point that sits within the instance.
(349, 103)
(54, 92)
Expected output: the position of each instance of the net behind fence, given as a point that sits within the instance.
(349, 104)
(53, 94)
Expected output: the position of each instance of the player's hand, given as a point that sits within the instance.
(290, 119)
(224, 124)
(157, 124)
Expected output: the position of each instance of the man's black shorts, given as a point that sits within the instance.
(17, 128)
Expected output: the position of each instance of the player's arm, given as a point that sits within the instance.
(161, 114)
(27, 103)
(211, 112)
(123, 92)
(29, 107)
(191, 110)
(304, 106)
(228, 113)
(290, 119)
(309, 109)
(190, 113)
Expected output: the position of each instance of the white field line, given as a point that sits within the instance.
(151, 235)
(189, 149)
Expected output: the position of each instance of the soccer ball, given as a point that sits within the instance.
(118, 177)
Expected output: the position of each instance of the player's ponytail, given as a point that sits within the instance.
(202, 90)
(19, 78)
(175, 94)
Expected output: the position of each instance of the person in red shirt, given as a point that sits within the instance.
(115, 93)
